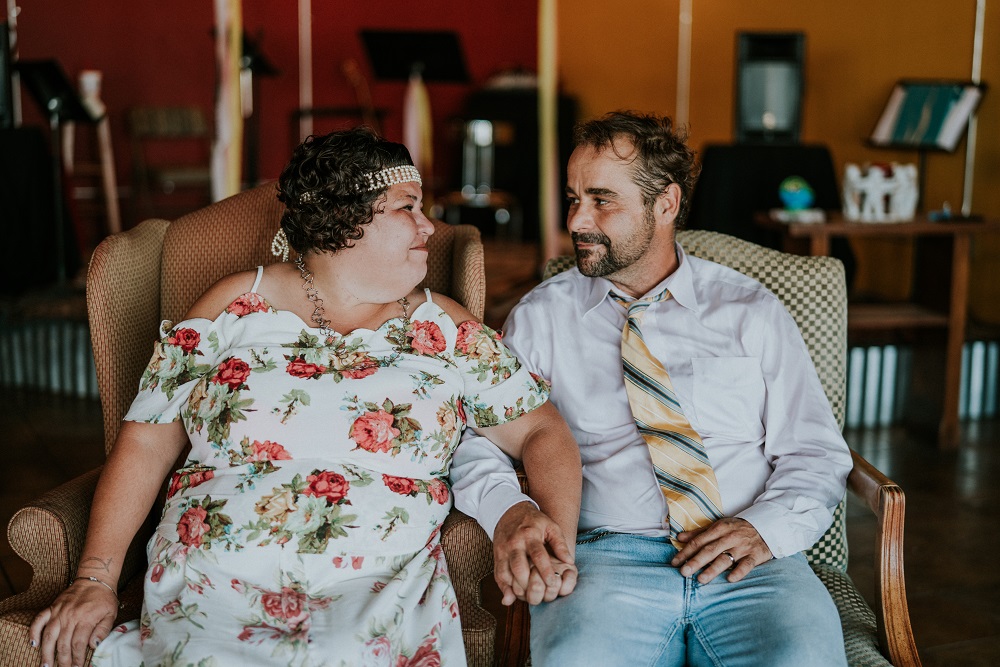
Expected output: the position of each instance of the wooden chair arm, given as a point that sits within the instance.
(885, 498)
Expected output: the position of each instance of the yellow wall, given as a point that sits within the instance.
(626, 57)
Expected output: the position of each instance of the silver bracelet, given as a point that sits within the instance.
(106, 585)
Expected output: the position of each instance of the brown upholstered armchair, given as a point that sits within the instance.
(137, 278)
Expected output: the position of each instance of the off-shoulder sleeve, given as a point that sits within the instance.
(182, 356)
(497, 388)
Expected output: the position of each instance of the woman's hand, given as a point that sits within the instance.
(81, 617)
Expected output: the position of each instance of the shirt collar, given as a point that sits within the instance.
(680, 283)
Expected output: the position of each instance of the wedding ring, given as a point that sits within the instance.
(726, 553)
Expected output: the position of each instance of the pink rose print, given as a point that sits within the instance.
(237, 586)
(426, 337)
(439, 491)
(404, 486)
(327, 485)
(299, 368)
(186, 339)
(378, 651)
(360, 370)
(233, 372)
(193, 479)
(357, 562)
(248, 303)
(286, 605)
(267, 451)
(145, 632)
(170, 608)
(192, 526)
(157, 572)
(460, 409)
(374, 431)
(466, 333)
(425, 656)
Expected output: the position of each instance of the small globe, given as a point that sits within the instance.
(795, 193)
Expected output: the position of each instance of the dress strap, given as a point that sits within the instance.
(256, 283)
(427, 293)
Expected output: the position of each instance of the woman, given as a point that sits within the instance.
(323, 400)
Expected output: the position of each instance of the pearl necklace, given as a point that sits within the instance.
(323, 324)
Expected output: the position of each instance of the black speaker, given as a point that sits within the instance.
(769, 82)
(6, 90)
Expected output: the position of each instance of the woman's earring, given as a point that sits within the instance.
(279, 245)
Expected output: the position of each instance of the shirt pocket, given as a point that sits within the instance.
(728, 397)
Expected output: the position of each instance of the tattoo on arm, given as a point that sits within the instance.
(94, 563)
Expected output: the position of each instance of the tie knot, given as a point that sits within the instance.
(637, 307)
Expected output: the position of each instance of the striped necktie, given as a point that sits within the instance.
(681, 465)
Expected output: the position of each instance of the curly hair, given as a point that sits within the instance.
(661, 155)
(325, 210)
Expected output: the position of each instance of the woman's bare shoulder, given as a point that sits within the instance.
(456, 311)
(217, 297)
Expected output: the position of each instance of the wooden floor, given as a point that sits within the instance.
(953, 498)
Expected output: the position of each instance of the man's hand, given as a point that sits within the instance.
(532, 559)
(727, 543)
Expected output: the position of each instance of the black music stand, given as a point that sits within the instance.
(926, 116)
(435, 54)
(58, 100)
(256, 64)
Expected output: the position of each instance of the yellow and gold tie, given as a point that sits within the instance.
(681, 465)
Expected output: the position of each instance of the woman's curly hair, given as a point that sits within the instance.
(325, 209)
(661, 155)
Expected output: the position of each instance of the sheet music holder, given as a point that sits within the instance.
(436, 54)
(927, 115)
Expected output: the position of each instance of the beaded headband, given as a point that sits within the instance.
(377, 180)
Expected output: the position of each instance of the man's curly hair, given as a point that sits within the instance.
(324, 208)
(661, 155)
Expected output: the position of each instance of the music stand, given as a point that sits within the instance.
(50, 88)
(926, 115)
(435, 54)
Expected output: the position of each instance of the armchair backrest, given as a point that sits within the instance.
(156, 270)
(814, 291)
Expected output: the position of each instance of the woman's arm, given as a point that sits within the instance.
(84, 613)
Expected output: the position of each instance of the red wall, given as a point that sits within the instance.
(162, 54)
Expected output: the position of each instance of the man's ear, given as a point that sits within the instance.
(668, 204)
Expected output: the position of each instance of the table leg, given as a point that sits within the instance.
(958, 311)
(819, 245)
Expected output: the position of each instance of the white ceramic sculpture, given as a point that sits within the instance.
(873, 195)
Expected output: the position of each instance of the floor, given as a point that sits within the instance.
(953, 498)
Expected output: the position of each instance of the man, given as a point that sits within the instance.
(695, 506)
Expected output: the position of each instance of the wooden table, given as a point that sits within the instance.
(907, 315)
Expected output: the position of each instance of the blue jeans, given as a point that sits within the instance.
(630, 607)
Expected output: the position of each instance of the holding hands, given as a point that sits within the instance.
(533, 560)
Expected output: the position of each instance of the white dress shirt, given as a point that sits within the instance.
(743, 377)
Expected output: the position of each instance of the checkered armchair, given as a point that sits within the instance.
(153, 272)
(814, 292)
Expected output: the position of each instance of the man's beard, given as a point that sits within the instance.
(594, 263)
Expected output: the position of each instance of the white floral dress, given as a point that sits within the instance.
(304, 527)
